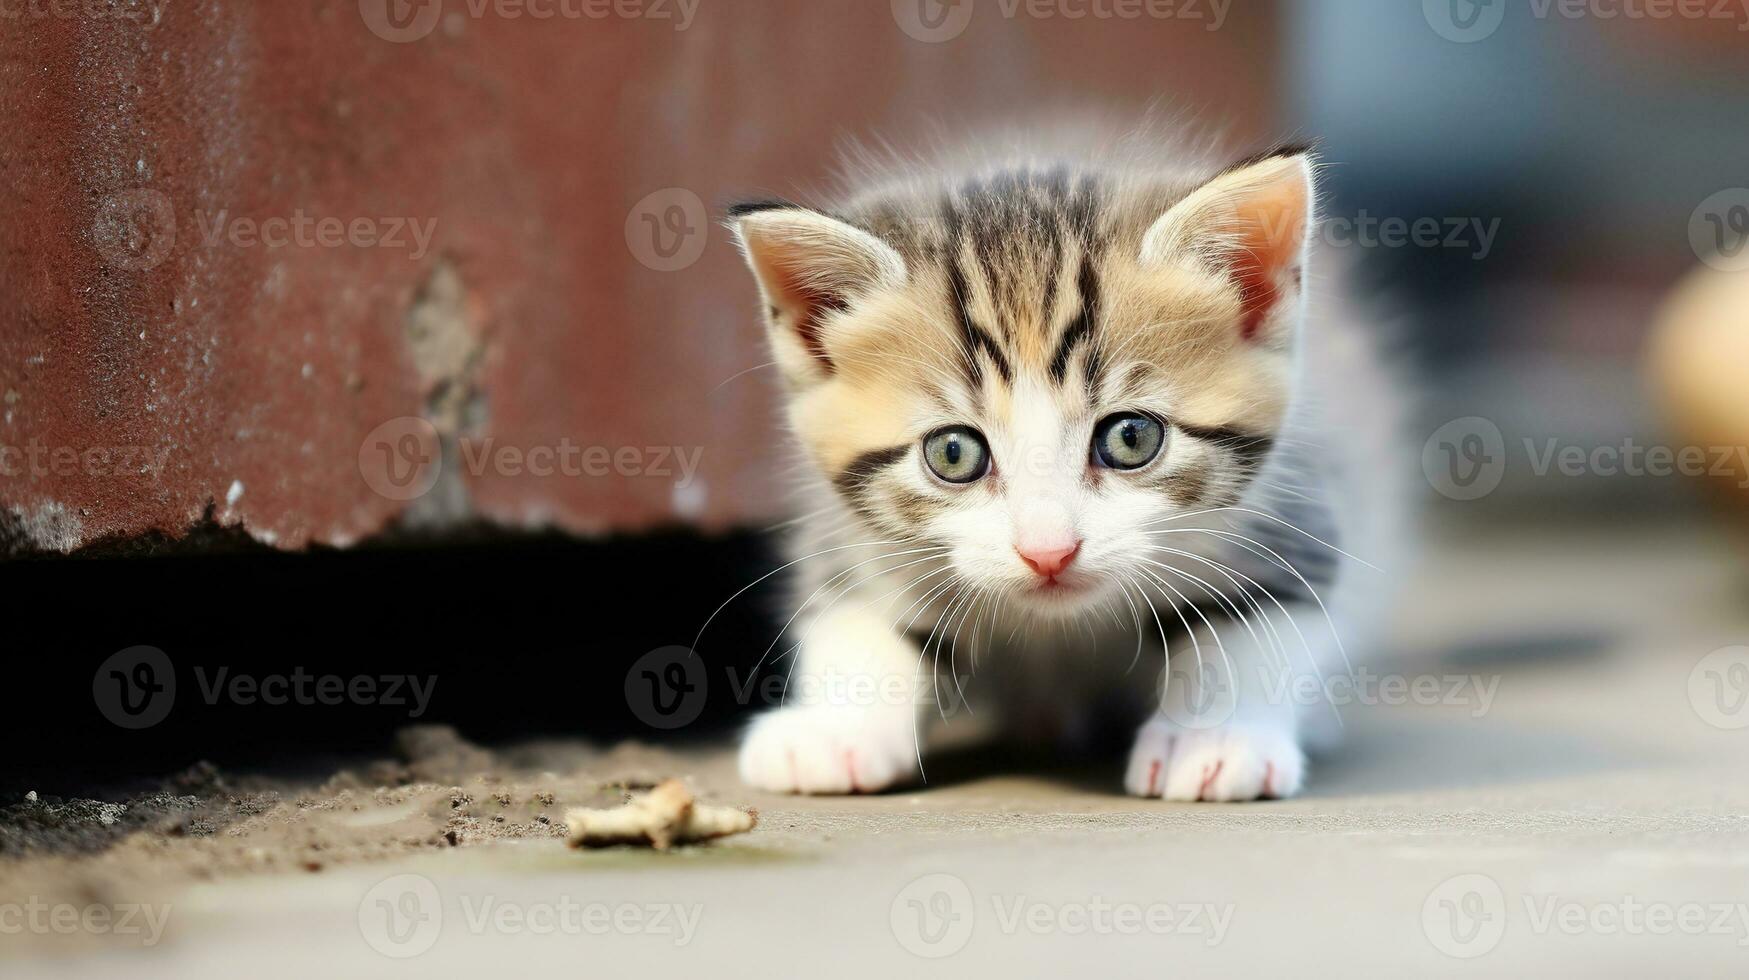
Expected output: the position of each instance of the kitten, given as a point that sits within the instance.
(1061, 415)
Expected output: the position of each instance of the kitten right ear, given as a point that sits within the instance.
(808, 266)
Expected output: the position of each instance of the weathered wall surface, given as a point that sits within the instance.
(316, 269)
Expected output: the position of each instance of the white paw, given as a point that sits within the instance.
(1235, 761)
(826, 749)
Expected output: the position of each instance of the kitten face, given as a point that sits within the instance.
(1036, 369)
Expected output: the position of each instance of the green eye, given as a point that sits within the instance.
(1127, 441)
(957, 454)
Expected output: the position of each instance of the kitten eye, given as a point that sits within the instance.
(957, 454)
(1127, 441)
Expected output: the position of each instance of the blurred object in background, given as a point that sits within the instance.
(1700, 356)
(1586, 139)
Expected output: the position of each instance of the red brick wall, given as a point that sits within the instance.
(147, 328)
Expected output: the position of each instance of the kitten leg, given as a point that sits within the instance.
(1227, 730)
(1236, 761)
(852, 716)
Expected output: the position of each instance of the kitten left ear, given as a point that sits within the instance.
(809, 266)
(1252, 223)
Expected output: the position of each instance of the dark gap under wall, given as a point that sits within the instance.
(505, 637)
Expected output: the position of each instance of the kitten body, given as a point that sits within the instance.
(1081, 434)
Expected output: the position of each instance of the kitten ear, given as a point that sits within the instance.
(1252, 223)
(809, 266)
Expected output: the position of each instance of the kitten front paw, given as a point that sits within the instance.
(1231, 762)
(829, 750)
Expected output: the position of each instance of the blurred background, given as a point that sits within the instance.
(282, 283)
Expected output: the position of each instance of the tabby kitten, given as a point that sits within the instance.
(1066, 435)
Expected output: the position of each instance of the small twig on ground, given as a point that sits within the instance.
(665, 816)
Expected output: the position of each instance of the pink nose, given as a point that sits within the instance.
(1049, 562)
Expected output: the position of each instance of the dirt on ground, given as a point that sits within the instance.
(439, 791)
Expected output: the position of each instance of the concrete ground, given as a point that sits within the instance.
(1591, 819)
